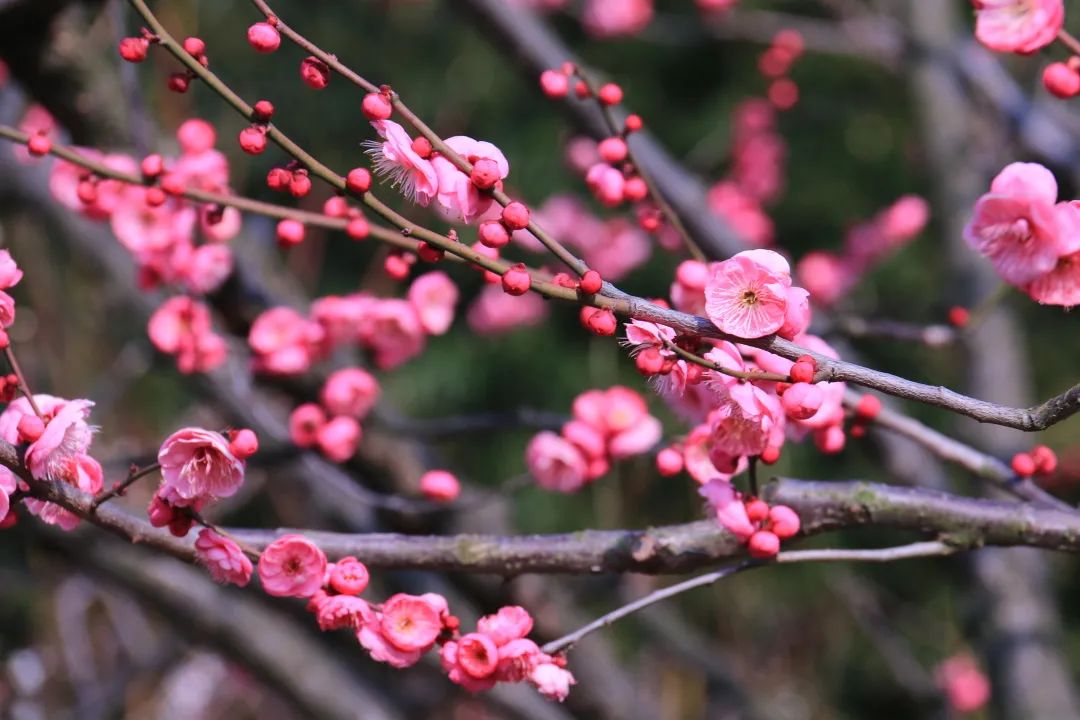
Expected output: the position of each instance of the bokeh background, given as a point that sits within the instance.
(894, 98)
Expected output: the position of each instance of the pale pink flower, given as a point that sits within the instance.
(556, 463)
(339, 438)
(801, 401)
(637, 439)
(224, 559)
(337, 612)
(341, 317)
(410, 622)
(511, 622)
(965, 685)
(433, 295)
(284, 341)
(1060, 286)
(382, 650)
(207, 269)
(395, 159)
(181, 327)
(1018, 226)
(80, 471)
(350, 391)
(10, 274)
(196, 464)
(392, 332)
(745, 299)
(905, 218)
(641, 332)
(607, 18)
(730, 510)
(744, 423)
(552, 681)
(292, 566)
(67, 434)
(495, 312)
(797, 314)
(590, 441)
(458, 198)
(1020, 26)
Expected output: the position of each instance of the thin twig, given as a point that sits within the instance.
(24, 387)
(119, 488)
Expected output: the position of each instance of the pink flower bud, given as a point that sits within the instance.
(763, 545)
(358, 180)
(802, 400)
(349, 576)
(515, 216)
(439, 486)
(612, 150)
(314, 72)
(493, 234)
(338, 439)
(253, 140)
(669, 461)
(305, 423)
(134, 49)
(376, 106)
(290, 232)
(516, 280)
(263, 37)
(554, 83)
(30, 428)
(244, 443)
(784, 521)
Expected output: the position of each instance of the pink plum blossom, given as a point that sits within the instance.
(181, 327)
(350, 391)
(66, 435)
(339, 438)
(555, 463)
(207, 268)
(433, 295)
(552, 681)
(197, 465)
(81, 472)
(1019, 228)
(292, 566)
(458, 197)
(1020, 26)
(395, 159)
(745, 299)
(337, 612)
(728, 506)
(1060, 286)
(284, 341)
(223, 558)
(392, 331)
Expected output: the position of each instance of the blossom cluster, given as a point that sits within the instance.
(752, 520)
(1032, 240)
(400, 630)
(607, 425)
(285, 342)
(173, 241)
(57, 448)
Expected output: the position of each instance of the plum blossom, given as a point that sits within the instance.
(223, 558)
(433, 295)
(404, 628)
(198, 465)
(556, 463)
(745, 298)
(458, 197)
(1060, 286)
(1020, 26)
(292, 566)
(350, 391)
(284, 341)
(182, 327)
(1018, 227)
(395, 159)
(393, 332)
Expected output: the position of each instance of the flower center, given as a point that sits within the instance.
(749, 298)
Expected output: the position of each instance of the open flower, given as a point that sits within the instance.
(197, 465)
(223, 558)
(745, 298)
(395, 159)
(1020, 26)
(292, 566)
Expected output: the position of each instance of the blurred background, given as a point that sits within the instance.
(893, 98)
